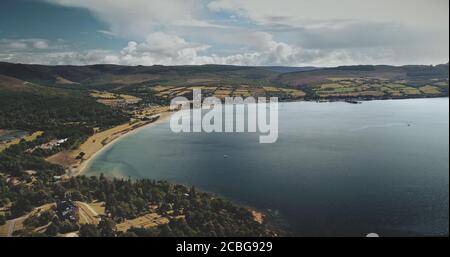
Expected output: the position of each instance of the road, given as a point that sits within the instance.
(12, 224)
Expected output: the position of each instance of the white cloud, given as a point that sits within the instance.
(161, 48)
(107, 32)
(166, 49)
(40, 44)
(138, 18)
(410, 31)
(29, 44)
(259, 32)
(432, 13)
(16, 45)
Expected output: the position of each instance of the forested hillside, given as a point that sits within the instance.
(107, 76)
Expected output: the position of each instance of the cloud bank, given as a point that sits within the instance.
(256, 32)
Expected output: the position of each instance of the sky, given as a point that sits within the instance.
(236, 32)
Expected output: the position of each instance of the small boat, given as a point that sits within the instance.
(225, 156)
(352, 102)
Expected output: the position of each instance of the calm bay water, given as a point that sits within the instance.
(12, 134)
(336, 169)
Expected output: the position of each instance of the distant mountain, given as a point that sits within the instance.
(283, 69)
(414, 74)
(105, 76)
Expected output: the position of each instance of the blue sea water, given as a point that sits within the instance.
(337, 169)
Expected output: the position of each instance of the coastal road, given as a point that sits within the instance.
(12, 224)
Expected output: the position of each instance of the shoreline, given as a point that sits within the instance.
(96, 144)
(91, 148)
(85, 164)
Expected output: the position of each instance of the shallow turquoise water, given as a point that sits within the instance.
(337, 168)
(12, 134)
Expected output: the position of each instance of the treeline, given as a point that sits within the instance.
(202, 214)
(22, 198)
(15, 161)
(428, 71)
(55, 112)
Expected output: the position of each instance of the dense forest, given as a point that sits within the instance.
(59, 113)
(202, 214)
(32, 111)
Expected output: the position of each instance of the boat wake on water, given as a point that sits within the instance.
(388, 125)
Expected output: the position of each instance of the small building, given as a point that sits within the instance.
(67, 210)
(30, 172)
(61, 141)
(151, 118)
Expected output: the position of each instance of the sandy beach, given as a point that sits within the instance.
(76, 166)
